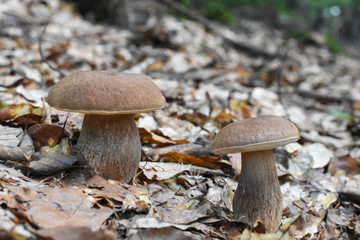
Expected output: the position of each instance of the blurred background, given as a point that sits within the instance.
(337, 21)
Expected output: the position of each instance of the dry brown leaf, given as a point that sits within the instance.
(177, 216)
(157, 138)
(357, 106)
(16, 154)
(242, 72)
(240, 108)
(160, 171)
(45, 134)
(8, 199)
(9, 136)
(55, 51)
(22, 113)
(343, 164)
(24, 193)
(236, 162)
(209, 162)
(50, 160)
(197, 119)
(66, 207)
(130, 196)
(223, 118)
(155, 66)
(74, 233)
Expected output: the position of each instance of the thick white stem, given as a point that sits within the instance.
(111, 145)
(258, 196)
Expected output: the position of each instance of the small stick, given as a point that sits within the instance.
(42, 54)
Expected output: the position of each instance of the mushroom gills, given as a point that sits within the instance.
(258, 196)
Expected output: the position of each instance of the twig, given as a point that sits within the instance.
(42, 54)
(325, 97)
(228, 35)
(278, 80)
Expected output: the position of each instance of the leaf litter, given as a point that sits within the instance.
(181, 189)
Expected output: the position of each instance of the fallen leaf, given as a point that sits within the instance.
(320, 154)
(227, 196)
(155, 66)
(45, 134)
(209, 162)
(343, 165)
(162, 233)
(198, 119)
(9, 136)
(15, 153)
(177, 216)
(8, 81)
(74, 233)
(160, 171)
(223, 118)
(51, 160)
(241, 108)
(157, 138)
(22, 113)
(236, 162)
(131, 197)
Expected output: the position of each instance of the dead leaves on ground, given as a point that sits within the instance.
(20, 114)
(208, 162)
(185, 192)
(157, 138)
(53, 156)
(48, 206)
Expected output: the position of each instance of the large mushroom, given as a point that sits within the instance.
(109, 139)
(258, 196)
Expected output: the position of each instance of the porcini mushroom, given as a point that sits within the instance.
(109, 139)
(258, 196)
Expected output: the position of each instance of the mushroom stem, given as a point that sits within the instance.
(258, 196)
(111, 145)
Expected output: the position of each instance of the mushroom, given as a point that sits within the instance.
(109, 139)
(258, 196)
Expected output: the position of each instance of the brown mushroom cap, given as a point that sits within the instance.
(106, 93)
(254, 134)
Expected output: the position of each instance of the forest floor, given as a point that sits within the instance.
(182, 190)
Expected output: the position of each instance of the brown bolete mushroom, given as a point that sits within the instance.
(258, 196)
(109, 139)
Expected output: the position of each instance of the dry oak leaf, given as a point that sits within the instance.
(160, 171)
(22, 113)
(66, 207)
(208, 162)
(157, 138)
(46, 134)
(131, 197)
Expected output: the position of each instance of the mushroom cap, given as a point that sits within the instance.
(107, 93)
(255, 134)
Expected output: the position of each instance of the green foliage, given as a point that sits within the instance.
(3, 104)
(334, 45)
(342, 115)
(186, 3)
(219, 10)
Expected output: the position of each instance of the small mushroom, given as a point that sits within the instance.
(258, 196)
(109, 139)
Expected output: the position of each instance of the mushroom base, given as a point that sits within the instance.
(258, 196)
(111, 145)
